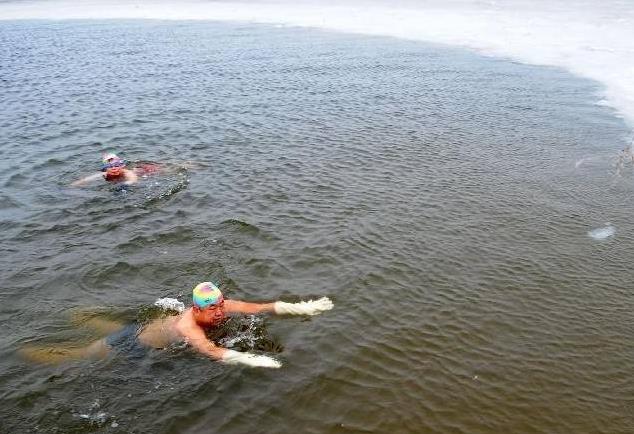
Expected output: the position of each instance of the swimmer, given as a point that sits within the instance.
(209, 310)
(115, 169)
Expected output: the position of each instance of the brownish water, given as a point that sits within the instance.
(434, 195)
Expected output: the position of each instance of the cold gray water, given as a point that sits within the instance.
(446, 202)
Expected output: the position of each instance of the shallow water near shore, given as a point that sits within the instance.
(442, 200)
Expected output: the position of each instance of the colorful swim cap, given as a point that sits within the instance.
(109, 156)
(206, 294)
(110, 160)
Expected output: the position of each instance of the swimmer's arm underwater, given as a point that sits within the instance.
(87, 179)
(130, 177)
(311, 307)
(197, 339)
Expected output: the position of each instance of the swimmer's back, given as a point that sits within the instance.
(161, 332)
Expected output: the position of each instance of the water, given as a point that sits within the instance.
(591, 39)
(436, 196)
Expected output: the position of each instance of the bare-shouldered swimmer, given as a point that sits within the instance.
(209, 310)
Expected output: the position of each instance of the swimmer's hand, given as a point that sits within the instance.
(232, 357)
(312, 307)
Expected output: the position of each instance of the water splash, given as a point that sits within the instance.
(168, 303)
(93, 416)
(243, 335)
(603, 232)
(157, 189)
(246, 334)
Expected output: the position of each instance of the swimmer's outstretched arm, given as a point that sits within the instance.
(87, 179)
(311, 307)
(236, 306)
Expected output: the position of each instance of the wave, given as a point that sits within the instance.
(591, 39)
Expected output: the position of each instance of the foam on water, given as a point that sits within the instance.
(94, 416)
(246, 336)
(591, 39)
(168, 303)
(602, 233)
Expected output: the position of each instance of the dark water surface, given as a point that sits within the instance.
(441, 199)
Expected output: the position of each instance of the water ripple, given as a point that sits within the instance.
(430, 193)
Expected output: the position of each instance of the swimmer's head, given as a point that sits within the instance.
(206, 294)
(113, 165)
(114, 173)
(208, 305)
(110, 160)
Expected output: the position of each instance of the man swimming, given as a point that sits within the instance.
(209, 310)
(113, 169)
(116, 170)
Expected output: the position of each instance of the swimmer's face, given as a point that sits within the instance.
(210, 316)
(115, 171)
